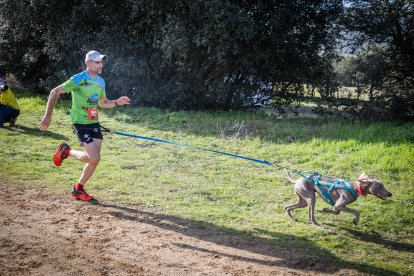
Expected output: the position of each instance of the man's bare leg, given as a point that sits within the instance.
(92, 156)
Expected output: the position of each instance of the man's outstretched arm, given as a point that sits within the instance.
(105, 103)
(51, 102)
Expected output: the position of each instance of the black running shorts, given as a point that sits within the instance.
(86, 133)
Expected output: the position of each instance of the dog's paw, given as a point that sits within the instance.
(355, 221)
(314, 223)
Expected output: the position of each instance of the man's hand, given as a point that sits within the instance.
(123, 100)
(45, 122)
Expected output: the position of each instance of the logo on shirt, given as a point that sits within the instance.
(85, 83)
(93, 99)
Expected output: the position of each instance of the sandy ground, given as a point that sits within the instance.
(44, 234)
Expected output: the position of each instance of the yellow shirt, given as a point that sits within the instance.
(7, 98)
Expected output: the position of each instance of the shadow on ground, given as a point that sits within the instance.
(286, 250)
(19, 129)
(376, 238)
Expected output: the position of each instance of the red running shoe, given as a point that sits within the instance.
(81, 194)
(60, 154)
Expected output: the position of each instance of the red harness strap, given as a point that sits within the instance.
(359, 189)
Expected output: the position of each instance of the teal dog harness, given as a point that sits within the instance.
(315, 178)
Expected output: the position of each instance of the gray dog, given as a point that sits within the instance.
(306, 189)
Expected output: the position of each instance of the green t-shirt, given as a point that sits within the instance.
(86, 92)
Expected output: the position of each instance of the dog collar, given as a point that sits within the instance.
(359, 189)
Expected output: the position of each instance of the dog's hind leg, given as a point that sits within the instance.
(311, 212)
(349, 210)
(300, 204)
(329, 211)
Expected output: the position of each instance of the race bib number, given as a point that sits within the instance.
(92, 113)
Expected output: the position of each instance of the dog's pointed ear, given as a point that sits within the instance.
(363, 177)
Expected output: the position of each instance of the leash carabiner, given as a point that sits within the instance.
(104, 129)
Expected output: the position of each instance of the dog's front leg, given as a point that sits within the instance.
(349, 210)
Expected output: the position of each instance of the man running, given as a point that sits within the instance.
(88, 91)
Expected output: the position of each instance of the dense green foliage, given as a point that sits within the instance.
(175, 54)
(239, 197)
(384, 30)
(217, 54)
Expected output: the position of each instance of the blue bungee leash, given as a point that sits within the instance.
(313, 176)
(194, 147)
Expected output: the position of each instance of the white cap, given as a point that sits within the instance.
(94, 55)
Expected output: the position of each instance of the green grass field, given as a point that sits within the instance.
(230, 193)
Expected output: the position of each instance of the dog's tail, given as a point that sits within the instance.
(289, 177)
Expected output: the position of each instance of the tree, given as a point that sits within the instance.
(387, 27)
(175, 54)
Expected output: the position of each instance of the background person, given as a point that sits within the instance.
(9, 107)
(88, 91)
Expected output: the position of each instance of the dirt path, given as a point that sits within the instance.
(43, 234)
